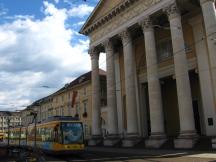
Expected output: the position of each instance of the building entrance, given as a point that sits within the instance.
(196, 116)
(197, 105)
(145, 110)
(170, 106)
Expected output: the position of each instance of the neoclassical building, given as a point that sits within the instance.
(161, 71)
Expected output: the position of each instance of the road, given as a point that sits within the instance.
(99, 156)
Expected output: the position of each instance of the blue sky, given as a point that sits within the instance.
(40, 46)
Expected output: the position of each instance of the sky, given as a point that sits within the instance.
(40, 48)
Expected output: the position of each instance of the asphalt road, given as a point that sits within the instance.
(117, 157)
(89, 156)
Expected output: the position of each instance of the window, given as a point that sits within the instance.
(84, 91)
(85, 106)
(86, 130)
(77, 108)
(164, 49)
(62, 111)
(69, 95)
(72, 133)
(58, 111)
(46, 134)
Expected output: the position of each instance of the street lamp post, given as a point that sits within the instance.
(34, 114)
(20, 135)
(8, 124)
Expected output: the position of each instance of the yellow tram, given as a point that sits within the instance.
(55, 135)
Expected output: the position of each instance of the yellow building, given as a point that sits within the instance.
(161, 70)
(74, 99)
(26, 116)
(45, 108)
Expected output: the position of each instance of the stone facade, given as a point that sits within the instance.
(161, 54)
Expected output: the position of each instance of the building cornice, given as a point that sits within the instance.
(107, 17)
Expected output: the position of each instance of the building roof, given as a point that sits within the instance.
(38, 102)
(85, 77)
(8, 113)
(81, 79)
(90, 17)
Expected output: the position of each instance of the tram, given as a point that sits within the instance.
(55, 135)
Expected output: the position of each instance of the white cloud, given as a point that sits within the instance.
(3, 10)
(78, 24)
(80, 11)
(19, 17)
(16, 88)
(35, 53)
(56, 1)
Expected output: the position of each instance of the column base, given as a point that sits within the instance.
(214, 143)
(95, 140)
(186, 140)
(156, 140)
(131, 140)
(111, 140)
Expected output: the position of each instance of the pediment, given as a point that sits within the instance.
(107, 10)
(102, 9)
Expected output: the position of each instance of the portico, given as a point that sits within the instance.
(160, 57)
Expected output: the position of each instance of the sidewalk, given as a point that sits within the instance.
(154, 152)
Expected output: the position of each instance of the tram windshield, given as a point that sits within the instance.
(72, 133)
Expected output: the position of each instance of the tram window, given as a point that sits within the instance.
(31, 132)
(23, 135)
(56, 133)
(38, 131)
(72, 133)
(42, 134)
(47, 134)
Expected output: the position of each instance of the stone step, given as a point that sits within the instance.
(203, 143)
(169, 144)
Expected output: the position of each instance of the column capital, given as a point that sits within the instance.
(146, 24)
(172, 10)
(125, 36)
(108, 45)
(204, 1)
(94, 53)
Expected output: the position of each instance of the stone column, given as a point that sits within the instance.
(112, 138)
(186, 115)
(209, 15)
(157, 137)
(96, 103)
(206, 87)
(119, 95)
(131, 107)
